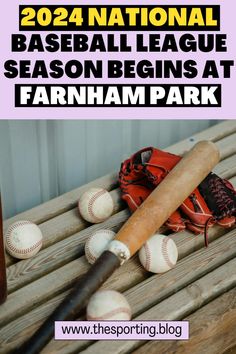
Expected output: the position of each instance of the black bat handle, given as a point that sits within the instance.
(74, 302)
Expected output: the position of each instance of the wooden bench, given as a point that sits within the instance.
(201, 288)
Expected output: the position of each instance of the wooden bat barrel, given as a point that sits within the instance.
(169, 195)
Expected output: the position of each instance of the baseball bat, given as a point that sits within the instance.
(147, 219)
(3, 281)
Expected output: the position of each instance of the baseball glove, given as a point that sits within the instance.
(214, 201)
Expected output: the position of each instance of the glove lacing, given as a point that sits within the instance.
(223, 201)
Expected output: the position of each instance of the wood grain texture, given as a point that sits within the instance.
(156, 288)
(231, 350)
(18, 330)
(43, 289)
(120, 280)
(145, 293)
(25, 271)
(227, 146)
(63, 203)
(67, 224)
(57, 255)
(226, 168)
(68, 201)
(233, 180)
(39, 284)
(212, 330)
(188, 299)
(215, 133)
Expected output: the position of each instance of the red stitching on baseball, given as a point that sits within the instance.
(25, 250)
(111, 313)
(87, 250)
(148, 257)
(165, 253)
(18, 223)
(8, 238)
(91, 202)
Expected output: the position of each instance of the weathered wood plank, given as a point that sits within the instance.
(41, 290)
(144, 294)
(19, 330)
(215, 133)
(62, 203)
(59, 228)
(226, 168)
(207, 287)
(69, 223)
(188, 299)
(227, 146)
(226, 142)
(68, 201)
(212, 330)
(158, 287)
(58, 254)
(25, 271)
(66, 224)
(233, 181)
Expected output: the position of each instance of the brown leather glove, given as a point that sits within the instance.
(214, 201)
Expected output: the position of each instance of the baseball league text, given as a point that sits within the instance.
(121, 330)
(144, 42)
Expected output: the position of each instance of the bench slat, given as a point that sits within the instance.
(67, 224)
(188, 299)
(59, 228)
(57, 255)
(226, 168)
(63, 203)
(158, 287)
(212, 329)
(48, 276)
(68, 200)
(19, 301)
(214, 133)
(227, 146)
(45, 261)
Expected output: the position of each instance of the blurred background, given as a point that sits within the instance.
(40, 160)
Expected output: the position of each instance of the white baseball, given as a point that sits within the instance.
(159, 254)
(97, 243)
(23, 239)
(108, 305)
(96, 205)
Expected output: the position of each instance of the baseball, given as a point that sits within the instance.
(108, 305)
(23, 239)
(159, 254)
(96, 205)
(97, 243)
